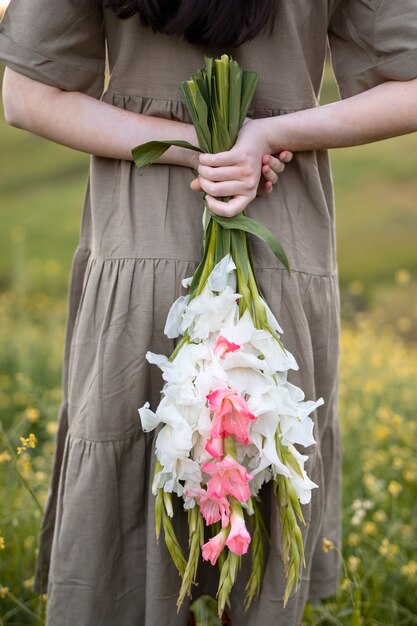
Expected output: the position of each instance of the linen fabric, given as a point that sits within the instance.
(141, 233)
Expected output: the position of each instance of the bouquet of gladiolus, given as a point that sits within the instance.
(231, 420)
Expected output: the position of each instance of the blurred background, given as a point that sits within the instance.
(42, 187)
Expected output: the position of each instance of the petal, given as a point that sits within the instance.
(218, 278)
(148, 418)
(174, 318)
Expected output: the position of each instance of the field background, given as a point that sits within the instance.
(41, 194)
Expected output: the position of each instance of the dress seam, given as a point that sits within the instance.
(150, 258)
(136, 434)
(99, 72)
(172, 100)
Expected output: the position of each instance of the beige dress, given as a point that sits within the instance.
(141, 233)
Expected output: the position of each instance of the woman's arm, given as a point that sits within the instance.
(84, 123)
(387, 110)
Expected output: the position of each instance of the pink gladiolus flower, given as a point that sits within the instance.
(215, 508)
(212, 549)
(231, 414)
(215, 447)
(223, 346)
(228, 478)
(239, 538)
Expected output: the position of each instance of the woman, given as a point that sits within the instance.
(141, 233)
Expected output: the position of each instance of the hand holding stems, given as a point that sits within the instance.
(245, 171)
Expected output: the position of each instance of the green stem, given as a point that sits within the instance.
(209, 264)
(183, 341)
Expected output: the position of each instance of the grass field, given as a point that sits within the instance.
(41, 193)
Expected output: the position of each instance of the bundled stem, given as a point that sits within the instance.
(253, 586)
(290, 509)
(227, 580)
(196, 540)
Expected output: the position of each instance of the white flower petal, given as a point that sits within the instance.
(148, 418)
(186, 282)
(174, 318)
(272, 320)
(219, 275)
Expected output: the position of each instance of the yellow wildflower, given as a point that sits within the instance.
(353, 563)
(328, 544)
(380, 515)
(32, 415)
(3, 592)
(410, 569)
(369, 528)
(51, 427)
(394, 488)
(2, 544)
(5, 456)
(397, 420)
(345, 584)
(383, 412)
(371, 483)
(28, 542)
(28, 583)
(381, 432)
(387, 548)
(27, 442)
(353, 539)
(410, 476)
(397, 462)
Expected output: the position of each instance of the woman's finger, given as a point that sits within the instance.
(195, 185)
(226, 188)
(269, 174)
(285, 156)
(219, 159)
(227, 209)
(219, 174)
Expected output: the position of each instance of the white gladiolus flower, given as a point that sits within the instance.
(207, 312)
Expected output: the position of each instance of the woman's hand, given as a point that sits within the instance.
(272, 166)
(237, 172)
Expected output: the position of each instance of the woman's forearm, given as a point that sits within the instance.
(387, 110)
(79, 121)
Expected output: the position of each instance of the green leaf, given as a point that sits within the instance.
(221, 67)
(205, 611)
(149, 152)
(187, 89)
(238, 251)
(235, 94)
(249, 82)
(200, 268)
(249, 225)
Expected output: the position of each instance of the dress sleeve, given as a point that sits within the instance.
(372, 41)
(60, 43)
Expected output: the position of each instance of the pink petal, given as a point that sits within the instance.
(212, 549)
(223, 346)
(239, 538)
(215, 447)
(214, 508)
